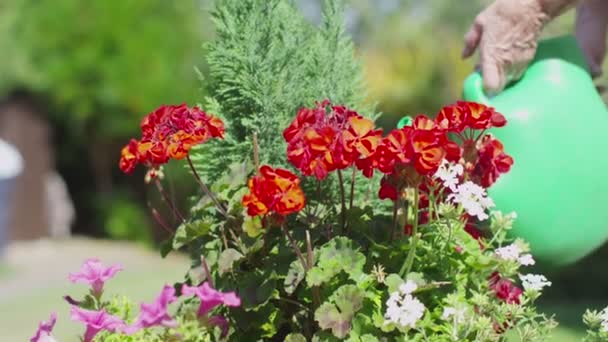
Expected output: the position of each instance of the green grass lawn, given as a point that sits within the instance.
(22, 308)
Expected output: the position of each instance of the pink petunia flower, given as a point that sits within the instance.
(210, 297)
(94, 273)
(43, 334)
(96, 321)
(155, 314)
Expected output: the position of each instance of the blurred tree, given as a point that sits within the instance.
(100, 66)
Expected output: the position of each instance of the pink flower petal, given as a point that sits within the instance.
(45, 329)
(96, 321)
(95, 274)
(210, 297)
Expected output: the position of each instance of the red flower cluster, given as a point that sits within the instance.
(423, 145)
(491, 162)
(169, 133)
(462, 115)
(274, 191)
(328, 138)
(504, 289)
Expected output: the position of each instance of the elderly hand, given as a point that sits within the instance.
(591, 25)
(506, 33)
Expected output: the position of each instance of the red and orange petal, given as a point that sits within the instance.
(361, 136)
(129, 157)
(429, 159)
(480, 116)
(274, 190)
(422, 122)
(254, 206)
(452, 118)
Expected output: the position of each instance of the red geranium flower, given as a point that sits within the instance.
(491, 162)
(274, 191)
(169, 133)
(461, 115)
(327, 138)
(504, 289)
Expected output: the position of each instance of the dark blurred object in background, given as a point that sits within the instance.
(87, 73)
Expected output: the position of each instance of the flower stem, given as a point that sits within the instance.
(167, 200)
(316, 293)
(352, 188)
(409, 261)
(256, 151)
(206, 269)
(295, 247)
(343, 200)
(394, 228)
(159, 219)
(206, 190)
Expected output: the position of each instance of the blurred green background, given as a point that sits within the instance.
(95, 68)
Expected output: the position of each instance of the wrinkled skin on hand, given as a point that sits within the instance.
(591, 27)
(506, 34)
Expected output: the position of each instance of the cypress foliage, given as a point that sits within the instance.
(266, 62)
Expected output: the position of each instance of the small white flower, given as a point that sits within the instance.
(408, 287)
(457, 314)
(604, 314)
(508, 253)
(449, 173)
(526, 260)
(512, 252)
(535, 282)
(403, 309)
(473, 199)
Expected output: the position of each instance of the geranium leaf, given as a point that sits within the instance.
(393, 281)
(252, 226)
(227, 259)
(189, 231)
(334, 257)
(294, 276)
(338, 312)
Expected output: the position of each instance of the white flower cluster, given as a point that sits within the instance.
(473, 199)
(534, 282)
(403, 309)
(512, 252)
(449, 174)
(604, 318)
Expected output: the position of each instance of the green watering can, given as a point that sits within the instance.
(557, 133)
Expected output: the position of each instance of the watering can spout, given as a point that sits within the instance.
(556, 132)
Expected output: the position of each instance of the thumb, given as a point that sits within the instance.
(472, 38)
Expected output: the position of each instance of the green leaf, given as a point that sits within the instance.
(189, 231)
(252, 226)
(294, 276)
(256, 288)
(417, 278)
(337, 314)
(227, 259)
(334, 257)
(393, 281)
(166, 247)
